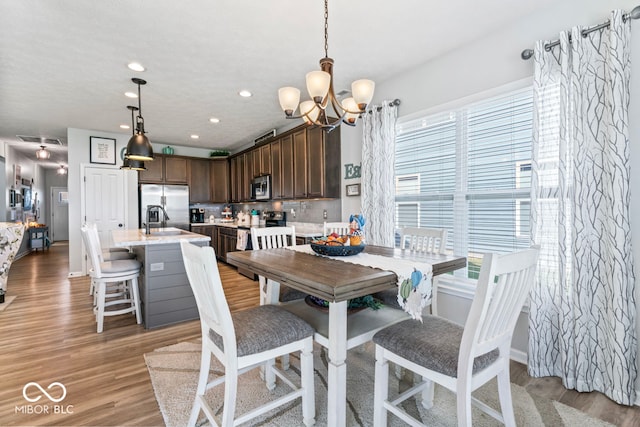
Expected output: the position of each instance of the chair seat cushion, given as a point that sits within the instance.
(120, 266)
(264, 328)
(116, 250)
(433, 344)
(116, 256)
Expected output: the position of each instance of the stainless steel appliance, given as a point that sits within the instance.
(261, 188)
(173, 198)
(275, 218)
(196, 215)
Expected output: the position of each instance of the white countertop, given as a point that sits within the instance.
(159, 236)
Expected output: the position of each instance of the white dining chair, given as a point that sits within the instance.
(459, 358)
(269, 238)
(428, 240)
(341, 228)
(243, 341)
(106, 255)
(115, 282)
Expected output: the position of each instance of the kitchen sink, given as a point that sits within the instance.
(166, 231)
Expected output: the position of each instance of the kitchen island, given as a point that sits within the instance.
(165, 293)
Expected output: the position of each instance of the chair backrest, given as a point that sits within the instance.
(204, 278)
(502, 289)
(429, 240)
(92, 246)
(273, 237)
(340, 228)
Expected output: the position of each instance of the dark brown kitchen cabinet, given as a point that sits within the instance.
(265, 159)
(205, 230)
(237, 178)
(226, 241)
(286, 156)
(248, 176)
(219, 181)
(165, 170)
(276, 169)
(199, 180)
(300, 164)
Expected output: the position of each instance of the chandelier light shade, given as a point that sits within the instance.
(42, 153)
(130, 164)
(139, 147)
(62, 170)
(322, 94)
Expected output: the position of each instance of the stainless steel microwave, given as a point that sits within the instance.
(261, 188)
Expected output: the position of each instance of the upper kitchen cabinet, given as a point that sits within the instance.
(165, 170)
(236, 175)
(199, 180)
(316, 163)
(282, 168)
(219, 180)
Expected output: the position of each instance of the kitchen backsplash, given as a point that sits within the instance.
(310, 211)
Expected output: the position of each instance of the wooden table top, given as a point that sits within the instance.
(330, 279)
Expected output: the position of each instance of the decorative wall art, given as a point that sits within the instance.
(102, 150)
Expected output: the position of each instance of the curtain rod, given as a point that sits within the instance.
(393, 103)
(634, 14)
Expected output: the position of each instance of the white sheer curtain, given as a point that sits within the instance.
(378, 179)
(582, 316)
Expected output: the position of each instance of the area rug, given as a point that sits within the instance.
(174, 375)
(7, 302)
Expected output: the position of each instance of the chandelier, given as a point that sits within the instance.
(321, 91)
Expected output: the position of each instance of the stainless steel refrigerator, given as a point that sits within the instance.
(173, 198)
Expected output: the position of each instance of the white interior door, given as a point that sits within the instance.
(105, 201)
(59, 214)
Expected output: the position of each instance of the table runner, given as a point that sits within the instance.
(414, 278)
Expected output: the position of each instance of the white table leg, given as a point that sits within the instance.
(337, 387)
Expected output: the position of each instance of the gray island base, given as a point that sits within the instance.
(165, 293)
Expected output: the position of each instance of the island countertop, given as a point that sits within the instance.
(158, 236)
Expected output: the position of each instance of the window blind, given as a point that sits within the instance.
(469, 171)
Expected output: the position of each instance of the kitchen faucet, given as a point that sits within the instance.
(149, 209)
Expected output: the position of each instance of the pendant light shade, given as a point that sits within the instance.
(128, 163)
(42, 153)
(139, 147)
(62, 170)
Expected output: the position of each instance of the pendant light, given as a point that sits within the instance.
(130, 164)
(139, 146)
(42, 153)
(62, 170)
(321, 91)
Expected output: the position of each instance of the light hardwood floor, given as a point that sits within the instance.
(48, 334)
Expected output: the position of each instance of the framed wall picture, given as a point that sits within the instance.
(102, 150)
(353, 190)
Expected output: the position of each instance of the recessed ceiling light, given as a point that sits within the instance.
(214, 120)
(195, 136)
(131, 95)
(245, 93)
(135, 66)
(125, 127)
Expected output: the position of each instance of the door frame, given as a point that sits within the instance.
(84, 167)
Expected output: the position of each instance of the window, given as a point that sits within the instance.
(469, 171)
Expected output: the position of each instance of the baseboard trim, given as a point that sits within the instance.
(518, 356)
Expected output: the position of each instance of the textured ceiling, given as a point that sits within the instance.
(63, 62)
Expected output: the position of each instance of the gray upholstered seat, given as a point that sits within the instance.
(434, 344)
(117, 256)
(121, 266)
(264, 328)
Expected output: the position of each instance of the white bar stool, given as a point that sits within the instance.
(106, 273)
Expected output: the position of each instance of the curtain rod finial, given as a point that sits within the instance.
(635, 13)
(526, 54)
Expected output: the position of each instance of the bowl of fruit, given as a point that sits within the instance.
(337, 245)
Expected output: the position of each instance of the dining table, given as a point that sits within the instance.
(337, 280)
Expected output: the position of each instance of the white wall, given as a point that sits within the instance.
(489, 63)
